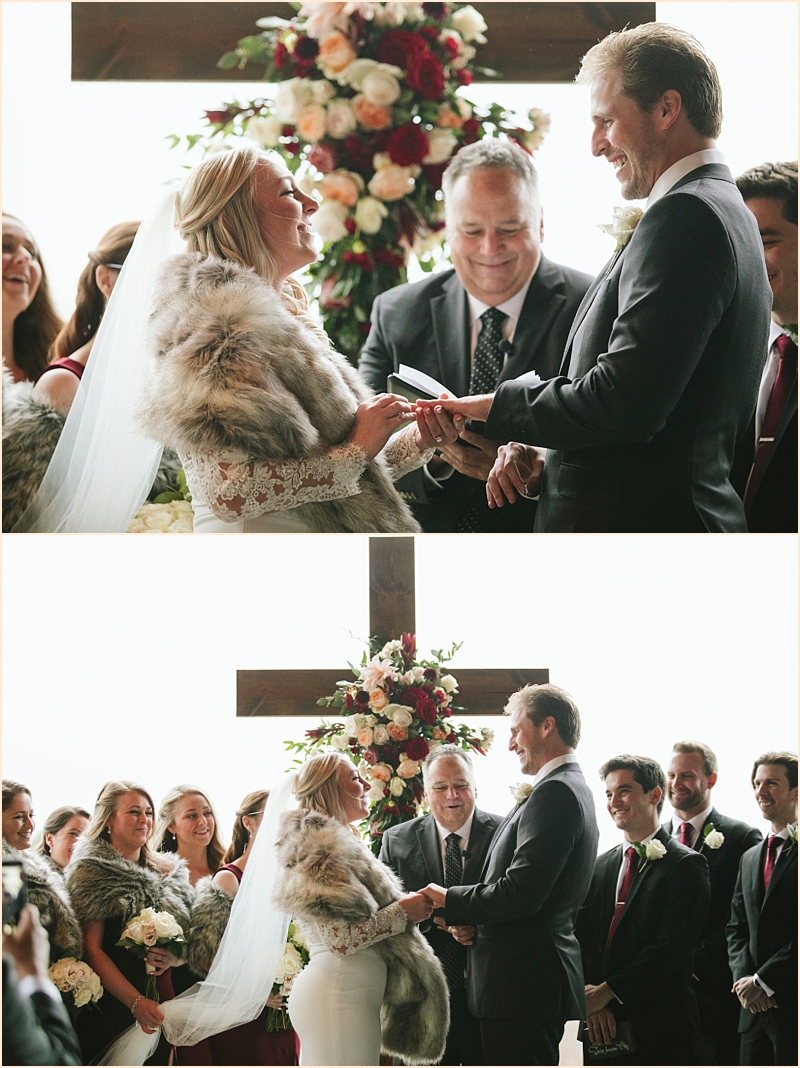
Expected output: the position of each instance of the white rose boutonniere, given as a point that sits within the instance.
(792, 838)
(621, 228)
(521, 791)
(654, 850)
(711, 838)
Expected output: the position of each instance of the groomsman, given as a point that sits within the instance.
(448, 846)
(691, 776)
(762, 933)
(524, 976)
(639, 926)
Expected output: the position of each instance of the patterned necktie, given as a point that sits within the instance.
(451, 953)
(488, 362)
(624, 890)
(686, 834)
(787, 372)
(769, 864)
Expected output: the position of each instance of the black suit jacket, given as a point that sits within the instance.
(710, 959)
(649, 963)
(426, 325)
(660, 375)
(526, 960)
(36, 1029)
(412, 850)
(762, 933)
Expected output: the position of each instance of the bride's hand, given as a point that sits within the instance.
(436, 428)
(417, 906)
(276, 1001)
(376, 421)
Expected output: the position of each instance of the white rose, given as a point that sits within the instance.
(166, 925)
(355, 72)
(714, 839)
(488, 737)
(376, 791)
(291, 97)
(396, 787)
(322, 91)
(340, 741)
(401, 715)
(341, 120)
(391, 647)
(623, 224)
(381, 735)
(369, 721)
(448, 683)
(370, 213)
(521, 791)
(299, 935)
(292, 962)
(353, 724)
(654, 850)
(434, 743)
(418, 673)
(380, 86)
(82, 997)
(441, 143)
(266, 131)
(329, 220)
(470, 24)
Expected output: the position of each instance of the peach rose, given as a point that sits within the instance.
(438, 733)
(392, 182)
(408, 769)
(398, 733)
(335, 53)
(312, 122)
(371, 116)
(381, 771)
(378, 700)
(365, 737)
(344, 186)
(446, 117)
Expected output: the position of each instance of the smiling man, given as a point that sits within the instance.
(661, 368)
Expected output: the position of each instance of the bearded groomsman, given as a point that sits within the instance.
(524, 976)
(447, 846)
(691, 776)
(639, 926)
(762, 933)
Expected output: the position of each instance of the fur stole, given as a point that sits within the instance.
(329, 875)
(210, 914)
(105, 886)
(48, 892)
(232, 368)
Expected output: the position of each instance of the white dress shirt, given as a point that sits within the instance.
(551, 765)
(672, 175)
(512, 308)
(462, 832)
(697, 823)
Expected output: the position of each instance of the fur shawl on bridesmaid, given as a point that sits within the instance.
(210, 914)
(232, 368)
(47, 891)
(329, 875)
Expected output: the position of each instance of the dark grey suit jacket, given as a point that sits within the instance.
(660, 375)
(426, 325)
(526, 960)
(36, 1029)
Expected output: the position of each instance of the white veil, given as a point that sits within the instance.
(244, 969)
(102, 468)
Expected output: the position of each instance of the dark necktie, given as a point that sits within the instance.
(624, 890)
(781, 388)
(488, 361)
(686, 834)
(451, 954)
(769, 864)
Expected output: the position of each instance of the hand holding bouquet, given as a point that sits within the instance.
(75, 977)
(295, 958)
(148, 929)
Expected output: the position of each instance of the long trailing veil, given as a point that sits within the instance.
(102, 468)
(244, 969)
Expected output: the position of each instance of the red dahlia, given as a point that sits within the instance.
(426, 74)
(417, 749)
(408, 145)
(397, 46)
(427, 711)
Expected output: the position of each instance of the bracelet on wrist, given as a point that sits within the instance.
(133, 1006)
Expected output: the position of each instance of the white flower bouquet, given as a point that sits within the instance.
(151, 928)
(295, 958)
(75, 977)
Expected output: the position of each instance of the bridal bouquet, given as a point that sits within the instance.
(295, 958)
(151, 928)
(396, 712)
(75, 977)
(368, 110)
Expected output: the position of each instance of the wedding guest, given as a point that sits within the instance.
(248, 1043)
(639, 926)
(662, 365)
(30, 322)
(62, 829)
(448, 846)
(766, 469)
(113, 875)
(524, 977)
(187, 826)
(696, 823)
(503, 311)
(58, 383)
(762, 933)
(45, 885)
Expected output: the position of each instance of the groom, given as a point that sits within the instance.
(524, 976)
(662, 364)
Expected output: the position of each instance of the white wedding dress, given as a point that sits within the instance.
(335, 1003)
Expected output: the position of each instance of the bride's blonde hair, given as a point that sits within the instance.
(317, 785)
(216, 214)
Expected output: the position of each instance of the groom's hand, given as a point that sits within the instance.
(470, 407)
(517, 472)
(475, 463)
(436, 894)
(464, 935)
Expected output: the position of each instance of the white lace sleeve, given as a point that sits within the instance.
(402, 453)
(235, 485)
(346, 938)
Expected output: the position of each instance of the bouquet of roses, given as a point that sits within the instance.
(75, 977)
(151, 928)
(396, 712)
(295, 958)
(368, 106)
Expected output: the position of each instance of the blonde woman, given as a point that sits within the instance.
(373, 981)
(275, 430)
(187, 826)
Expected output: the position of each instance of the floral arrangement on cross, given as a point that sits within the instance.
(369, 111)
(396, 711)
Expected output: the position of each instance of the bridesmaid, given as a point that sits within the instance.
(187, 826)
(60, 834)
(250, 1043)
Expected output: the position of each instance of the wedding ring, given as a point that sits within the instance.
(439, 439)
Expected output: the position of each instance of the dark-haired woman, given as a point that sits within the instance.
(249, 1043)
(61, 831)
(30, 322)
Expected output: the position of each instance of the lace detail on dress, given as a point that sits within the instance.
(402, 453)
(235, 486)
(347, 938)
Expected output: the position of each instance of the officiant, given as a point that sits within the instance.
(503, 311)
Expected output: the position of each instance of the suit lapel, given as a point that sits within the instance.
(609, 902)
(785, 860)
(788, 413)
(480, 835)
(450, 314)
(755, 875)
(642, 872)
(428, 837)
(544, 300)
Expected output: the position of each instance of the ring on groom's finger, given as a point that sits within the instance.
(439, 439)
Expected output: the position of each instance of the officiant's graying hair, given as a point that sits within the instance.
(491, 152)
(539, 701)
(653, 58)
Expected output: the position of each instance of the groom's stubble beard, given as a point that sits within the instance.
(642, 167)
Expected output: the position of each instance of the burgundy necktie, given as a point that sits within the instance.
(787, 371)
(624, 890)
(769, 864)
(686, 834)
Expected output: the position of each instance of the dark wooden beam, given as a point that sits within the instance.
(182, 41)
(392, 601)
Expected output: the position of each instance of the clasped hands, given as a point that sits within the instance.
(752, 996)
(435, 894)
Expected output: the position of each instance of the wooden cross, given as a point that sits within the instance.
(293, 692)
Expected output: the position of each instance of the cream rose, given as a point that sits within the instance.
(341, 120)
(375, 792)
(340, 741)
(401, 715)
(380, 86)
(353, 725)
(329, 220)
(312, 122)
(392, 647)
(344, 186)
(322, 91)
(291, 97)
(380, 735)
(623, 224)
(266, 131)
(391, 183)
(166, 926)
(470, 24)
(714, 839)
(408, 769)
(521, 791)
(655, 850)
(448, 683)
(396, 787)
(355, 73)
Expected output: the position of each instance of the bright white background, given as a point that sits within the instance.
(120, 653)
(81, 156)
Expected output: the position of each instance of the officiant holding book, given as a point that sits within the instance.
(505, 310)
